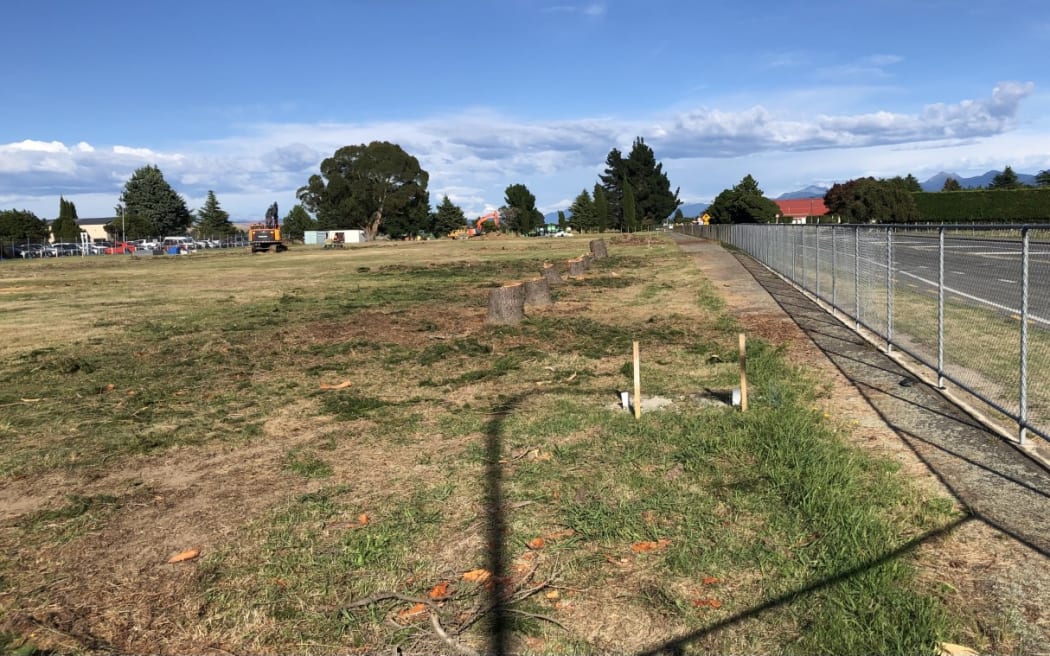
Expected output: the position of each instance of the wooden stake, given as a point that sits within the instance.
(637, 384)
(743, 373)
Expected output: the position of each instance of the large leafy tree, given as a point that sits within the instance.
(867, 200)
(1006, 179)
(583, 213)
(744, 203)
(65, 228)
(447, 217)
(297, 222)
(22, 226)
(367, 186)
(519, 212)
(150, 207)
(1042, 178)
(212, 220)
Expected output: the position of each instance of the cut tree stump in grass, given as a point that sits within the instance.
(538, 293)
(507, 304)
(551, 275)
(598, 248)
(588, 260)
(577, 267)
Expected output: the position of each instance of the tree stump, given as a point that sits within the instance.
(577, 267)
(588, 260)
(598, 248)
(551, 275)
(507, 304)
(538, 292)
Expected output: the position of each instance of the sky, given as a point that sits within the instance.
(246, 97)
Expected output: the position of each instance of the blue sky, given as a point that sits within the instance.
(247, 97)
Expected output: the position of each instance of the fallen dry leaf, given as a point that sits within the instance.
(536, 544)
(412, 611)
(363, 519)
(709, 580)
(477, 575)
(707, 603)
(534, 643)
(439, 591)
(189, 554)
(553, 594)
(951, 649)
(642, 547)
(336, 386)
(108, 387)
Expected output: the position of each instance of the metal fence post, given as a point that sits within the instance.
(1022, 418)
(856, 276)
(816, 257)
(940, 307)
(889, 290)
(834, 271)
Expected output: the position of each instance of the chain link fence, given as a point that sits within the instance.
(971, 303)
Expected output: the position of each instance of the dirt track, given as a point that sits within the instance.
(995, 568)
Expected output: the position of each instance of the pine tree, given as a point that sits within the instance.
(601, 209)
(630, 210)
(612, 182)
(562, 223)
(212, 220)
(583, 216)
(1042, 179)
(447, 218)
(65, 228)
(951, 184)
(150, 207)
(654, 201)
(1005, 180)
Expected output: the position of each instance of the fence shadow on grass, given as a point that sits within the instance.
(999, 484)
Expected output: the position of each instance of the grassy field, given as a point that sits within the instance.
(361, 462)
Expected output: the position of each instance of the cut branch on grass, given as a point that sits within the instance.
(462, 649)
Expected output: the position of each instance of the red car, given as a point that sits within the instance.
(120, 248)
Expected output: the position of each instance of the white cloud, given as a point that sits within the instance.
(473, 155)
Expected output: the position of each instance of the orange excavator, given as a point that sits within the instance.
(480, 221)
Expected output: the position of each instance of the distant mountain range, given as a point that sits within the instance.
(812, 191)
(936, 183)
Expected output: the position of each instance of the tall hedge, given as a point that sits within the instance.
(985, 206)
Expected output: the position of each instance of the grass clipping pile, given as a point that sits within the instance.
(349, 458)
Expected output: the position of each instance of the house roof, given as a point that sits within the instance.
(802, 207)
(88, 222)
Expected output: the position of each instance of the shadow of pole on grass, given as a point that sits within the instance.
(496, 526)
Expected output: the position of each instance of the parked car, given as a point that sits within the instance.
(62, 249)
(121, 248)
(26, 251)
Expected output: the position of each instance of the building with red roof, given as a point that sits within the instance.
(797, 209)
